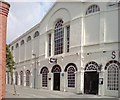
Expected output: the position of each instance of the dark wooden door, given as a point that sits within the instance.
(56, 84)
(91, 80)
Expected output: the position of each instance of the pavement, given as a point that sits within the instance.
(26, 92)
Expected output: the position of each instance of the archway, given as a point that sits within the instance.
(56, 77)
(21, 77)
(91, 78)
(16, 78)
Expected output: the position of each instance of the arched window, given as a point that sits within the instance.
(27, 78)
(44, 72)
(113, 77)
(36, 34)
(71, 76)
(91, 66)
(92, 9)
(112, 73)
(16, 78)
(22, 42)
(28, 38)
(21, 78)
(58, 37)
(56, 69)
(17, 45)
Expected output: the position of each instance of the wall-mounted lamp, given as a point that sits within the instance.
(99, 67)
(62, 57)
(104, 51)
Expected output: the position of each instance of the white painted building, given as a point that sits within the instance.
(74, 48)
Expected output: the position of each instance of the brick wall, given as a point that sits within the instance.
(4, 8)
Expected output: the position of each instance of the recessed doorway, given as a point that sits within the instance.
(91, 80)
(56, 70)
(56, 84)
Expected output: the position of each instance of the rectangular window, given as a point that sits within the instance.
(68, 38)
(49, 46)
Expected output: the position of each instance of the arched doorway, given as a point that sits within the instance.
(16, 78)
(91, 78)
(56, 77)
(21, 77)
(8, 78)
(27, 78)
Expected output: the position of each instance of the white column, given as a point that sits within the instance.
(65, 81)
(52, 43)
(82, 81)
(52, 81)
(64, 45)
(24, 79)
(78, 82)
(13, 77)
(6, 79)
(39, 81)
(31, 82)
(18, 78)
(46, 46)
(10, 78)
(101, 89)
(37, 73)
(62, 81)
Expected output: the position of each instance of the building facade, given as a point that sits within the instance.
(74, 48)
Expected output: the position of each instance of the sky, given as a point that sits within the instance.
(23, 15)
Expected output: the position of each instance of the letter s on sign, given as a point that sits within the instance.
(113, 55)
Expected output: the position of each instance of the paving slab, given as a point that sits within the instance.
(26, 92)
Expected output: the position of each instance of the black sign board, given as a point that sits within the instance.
(53, 60)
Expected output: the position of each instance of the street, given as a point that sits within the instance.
(26, 92)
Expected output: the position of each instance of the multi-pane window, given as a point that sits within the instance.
(92, 9)
(71, 76)
(27, 78)
(44, 77)
(49, 44)
(112, 77)
(21, 78)
(17, 45)
(68, 38)
(28, 38)
(58, 37)
(36, 34)
(22, 42)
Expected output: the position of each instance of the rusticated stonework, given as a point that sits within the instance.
(4, 8)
